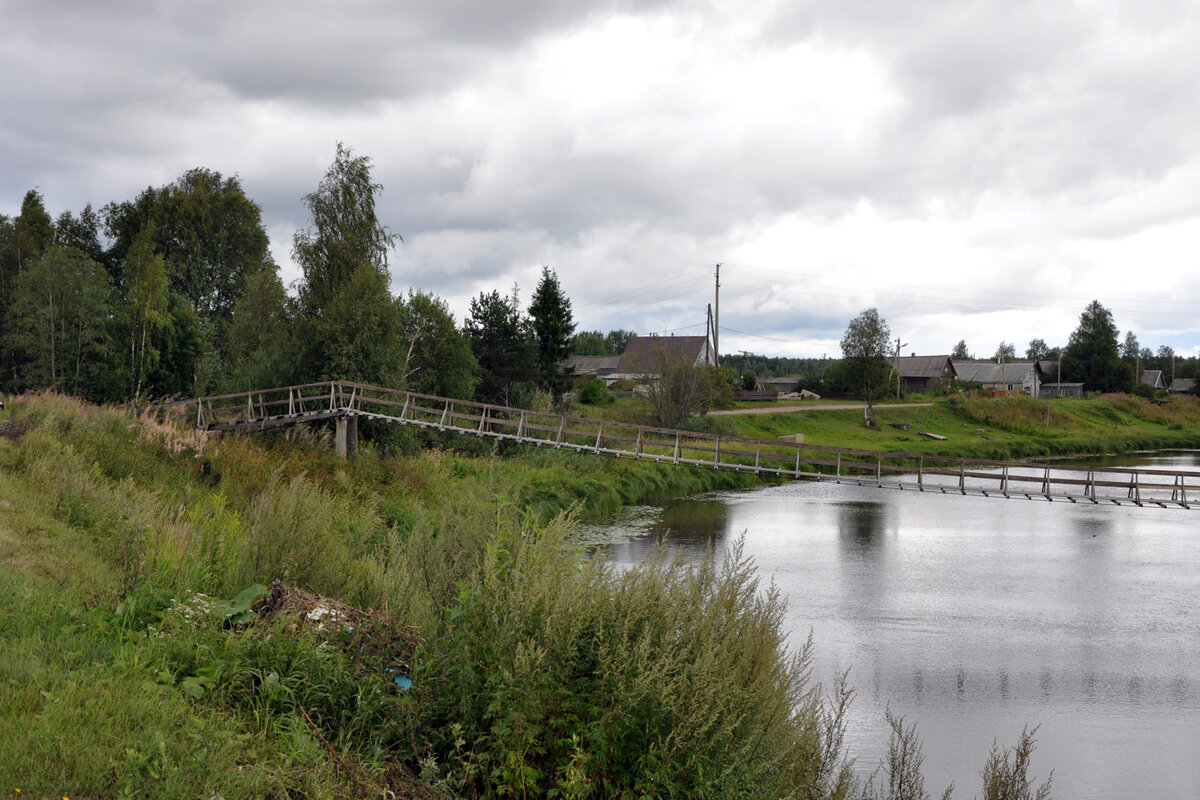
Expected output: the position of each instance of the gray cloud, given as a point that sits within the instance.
(1022, 149)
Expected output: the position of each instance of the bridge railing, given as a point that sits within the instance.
(316, 401)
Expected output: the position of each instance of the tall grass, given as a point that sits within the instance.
(542, 673)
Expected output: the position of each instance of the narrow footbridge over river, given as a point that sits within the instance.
(345, 403)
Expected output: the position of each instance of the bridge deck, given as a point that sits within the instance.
(338, 399)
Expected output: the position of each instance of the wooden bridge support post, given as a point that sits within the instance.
(346, 439)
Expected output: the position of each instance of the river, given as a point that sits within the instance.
(973, 617)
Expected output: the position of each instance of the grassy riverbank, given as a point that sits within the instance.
(993, 428)
(132, 666)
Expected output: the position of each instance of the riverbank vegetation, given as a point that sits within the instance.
(1014, 427)
(487, 656)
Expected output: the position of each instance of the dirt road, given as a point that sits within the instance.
(815, 407)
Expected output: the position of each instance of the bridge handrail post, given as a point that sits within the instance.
(291, 402)
(482, 417)
(798, 448)
(1135, 493)
(562, 423)
(599, 436)
(1091, 485)
(1004, 481)
(838, 472)
(637, 446)
(1046, 483)
(404, 410)
(249, 406)
(879, 469)
(717, 454)
(921, 473)
(678, 435)
(520, 426)
(332, 404)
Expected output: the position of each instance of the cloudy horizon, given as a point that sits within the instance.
(975, 170)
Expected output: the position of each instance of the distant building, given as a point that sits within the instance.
(590, 366)
(920, 374)
(644, 355)
(1181, 386)
(1013, 376)
(1154, 379)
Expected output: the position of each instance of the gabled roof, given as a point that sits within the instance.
(644, 354)
(589, 365)
(1153, 377)
(991, 372)
(1048, 368)
(925, 366)
(1182, 385)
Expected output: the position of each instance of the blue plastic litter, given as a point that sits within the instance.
(403, 682)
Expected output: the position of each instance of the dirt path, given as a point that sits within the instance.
(815, 407)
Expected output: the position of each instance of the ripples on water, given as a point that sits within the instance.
(974, 616)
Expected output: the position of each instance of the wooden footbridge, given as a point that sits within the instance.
(346, 403)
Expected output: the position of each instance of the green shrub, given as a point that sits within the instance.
(552, 677)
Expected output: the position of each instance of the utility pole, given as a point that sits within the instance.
(717, 320)
(897, 365)
(708, 327)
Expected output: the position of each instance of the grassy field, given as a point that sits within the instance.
(133, 665)
(977, 427)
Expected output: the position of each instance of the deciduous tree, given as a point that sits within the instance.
(960, 351)
(57, 321)
(438, 359)
(865, 360)
(346, 233)
(1037, 350)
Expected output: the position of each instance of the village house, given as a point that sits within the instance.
(1013, 376)
(1181, 385)
(589, 366)
(1154, 379)
(1049, 385)
(644, 355)
(922, 374)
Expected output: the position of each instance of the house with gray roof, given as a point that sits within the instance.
(1181, 385)
(589, 366)
(920, 374)
(1012, 376)
(1154, 379)
(645, 355)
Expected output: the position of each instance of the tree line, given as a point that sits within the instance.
(175, 293)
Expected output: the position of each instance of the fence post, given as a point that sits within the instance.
(599, 436)
(562, 423)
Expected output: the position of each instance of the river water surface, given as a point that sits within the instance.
(973, 617)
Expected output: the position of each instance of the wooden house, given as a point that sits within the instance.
(644, 355)
(1012, 376)
(920, 374)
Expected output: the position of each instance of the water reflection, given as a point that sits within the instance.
(976, 616)
(862, 525)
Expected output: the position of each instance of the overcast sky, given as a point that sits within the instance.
(975, 170)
